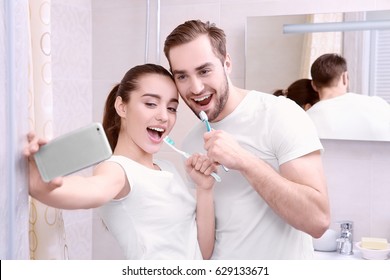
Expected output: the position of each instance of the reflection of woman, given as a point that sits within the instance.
(144, 202)
(302, 92)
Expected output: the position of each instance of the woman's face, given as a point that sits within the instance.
(151, 112)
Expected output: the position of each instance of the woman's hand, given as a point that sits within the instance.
(199, 167)
(36, 184)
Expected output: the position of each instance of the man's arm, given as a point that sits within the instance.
(298, 194)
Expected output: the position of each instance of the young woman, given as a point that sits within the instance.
(143, 201)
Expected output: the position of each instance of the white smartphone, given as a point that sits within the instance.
(73, 151)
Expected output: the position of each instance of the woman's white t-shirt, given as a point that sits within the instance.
(156, 220)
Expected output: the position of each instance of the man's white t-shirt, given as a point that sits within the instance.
(156, 220)
(276, 130)
(352, 116)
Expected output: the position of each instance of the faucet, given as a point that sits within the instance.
(345, 241)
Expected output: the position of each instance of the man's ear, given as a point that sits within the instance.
(120, 107)
(228, 64)
(345, 78)
(314, 86)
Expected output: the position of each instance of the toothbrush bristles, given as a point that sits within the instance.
(203, 116)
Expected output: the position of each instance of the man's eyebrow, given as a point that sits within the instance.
(207, 64)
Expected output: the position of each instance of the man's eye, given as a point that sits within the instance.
(204, 71)
(180, 77)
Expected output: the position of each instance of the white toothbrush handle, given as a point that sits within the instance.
(215, 175)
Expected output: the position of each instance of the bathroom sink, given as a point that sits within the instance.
(318, 255)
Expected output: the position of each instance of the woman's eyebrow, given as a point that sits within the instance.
(159, 97)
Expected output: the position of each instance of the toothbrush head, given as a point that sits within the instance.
(169, 140)
(203, 116)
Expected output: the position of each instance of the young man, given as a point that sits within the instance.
(274, 197)
(341, 114)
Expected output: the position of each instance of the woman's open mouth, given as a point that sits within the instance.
(155, 133)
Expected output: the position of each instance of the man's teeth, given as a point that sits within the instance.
(202, 98)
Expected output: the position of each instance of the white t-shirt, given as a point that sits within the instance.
(156, 221)
(352, 116)
(277, 130)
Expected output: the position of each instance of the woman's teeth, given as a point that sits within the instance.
(156, 132)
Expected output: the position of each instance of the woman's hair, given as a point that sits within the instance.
(129, 83)
(301, 91)
(327, 69)
(192, 29)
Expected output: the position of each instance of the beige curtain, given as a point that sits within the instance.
(320, 42)
(47, 234)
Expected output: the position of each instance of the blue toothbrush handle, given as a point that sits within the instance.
(209, 129)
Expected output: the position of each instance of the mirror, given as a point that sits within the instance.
(275, 58)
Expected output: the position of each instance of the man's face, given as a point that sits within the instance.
(200, 77)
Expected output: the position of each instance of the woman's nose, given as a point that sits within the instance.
(162, 115)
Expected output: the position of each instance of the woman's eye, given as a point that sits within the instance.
(172, 109)
(150, 104)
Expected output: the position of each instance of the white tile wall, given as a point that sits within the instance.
(359, 185)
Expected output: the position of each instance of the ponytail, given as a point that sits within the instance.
(111, 120)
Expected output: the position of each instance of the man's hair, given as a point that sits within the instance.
(192, 29)
(327, 69)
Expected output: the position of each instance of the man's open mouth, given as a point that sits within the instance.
(204, 100)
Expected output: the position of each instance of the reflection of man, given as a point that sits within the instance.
(341, 114)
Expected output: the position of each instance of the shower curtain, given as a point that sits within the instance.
(320, 42)
(47, 234)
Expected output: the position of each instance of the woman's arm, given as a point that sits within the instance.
(205, 219)
(74, 192)
(199, 167)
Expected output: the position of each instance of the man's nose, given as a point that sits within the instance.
(196, 86)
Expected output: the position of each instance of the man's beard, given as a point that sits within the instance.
(220, 102)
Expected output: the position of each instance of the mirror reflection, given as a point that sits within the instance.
(276, 58)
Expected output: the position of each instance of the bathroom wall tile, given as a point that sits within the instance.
(78, 230)
(71, 42)
(72, 102)
(359, 185)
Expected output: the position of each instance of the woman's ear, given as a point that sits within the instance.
(120, 107)
(306, 106)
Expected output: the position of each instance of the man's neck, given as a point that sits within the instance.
(332, 92)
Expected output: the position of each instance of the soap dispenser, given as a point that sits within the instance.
(345, 241)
